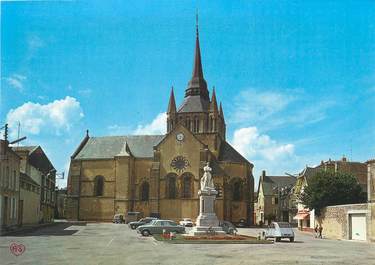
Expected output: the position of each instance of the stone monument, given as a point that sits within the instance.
(207, 221)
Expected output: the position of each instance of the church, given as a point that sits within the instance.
(159, 175)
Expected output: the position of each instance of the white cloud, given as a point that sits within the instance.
(116, 129)
(270, 109)
(58, 115)
(85, 92)
(16, 81)
(252, 105)
(157, 126)
(266, 153)
(35, 42)
(253, 145)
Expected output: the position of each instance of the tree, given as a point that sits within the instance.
(270, 217)
(328, 188)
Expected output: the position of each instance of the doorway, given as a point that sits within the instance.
(5, 212)
(357, 226)
(20, 212)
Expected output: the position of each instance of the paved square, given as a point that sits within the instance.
(104, 243)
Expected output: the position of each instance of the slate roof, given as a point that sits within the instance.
(30, 148)
(194, 104)
(228, 153)
(271, 182)
(36, 157)
(309, 172)
(111, 146)
(216, 168)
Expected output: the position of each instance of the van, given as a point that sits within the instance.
(133, 216)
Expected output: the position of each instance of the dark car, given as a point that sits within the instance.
(159, 227)
(241, 223)
(118, 219)
(143, 221)
(228, 227)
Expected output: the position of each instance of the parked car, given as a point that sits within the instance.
(132, 216)
(160, 226)
(228, 227)
(279, 230)
(241, 223)
(187, 222)
(143, 221)
(118, 219)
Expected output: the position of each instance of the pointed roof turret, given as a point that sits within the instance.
(221, 113)
(197, 86)
(213, 105)
(172, 103)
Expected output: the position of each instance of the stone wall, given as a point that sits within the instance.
(371, 199)
(9, 186)
(334, 220)
(31, 204)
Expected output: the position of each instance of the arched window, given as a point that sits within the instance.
(145, 189)
(187, 189)
(188, 123)
(237, 191)
(171, 187)
(98, 186)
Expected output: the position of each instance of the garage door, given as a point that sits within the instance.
(358, 226)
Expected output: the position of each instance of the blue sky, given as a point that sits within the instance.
(296, 78)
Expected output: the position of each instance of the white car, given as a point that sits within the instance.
(279, 230)
(186, 222)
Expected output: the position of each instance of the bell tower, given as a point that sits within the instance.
(198, 113)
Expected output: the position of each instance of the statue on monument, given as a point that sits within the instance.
(206, 181)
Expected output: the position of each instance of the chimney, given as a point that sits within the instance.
(263, 175)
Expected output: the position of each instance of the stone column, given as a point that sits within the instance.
(207, 219)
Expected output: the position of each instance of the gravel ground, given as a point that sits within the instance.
(104, 243)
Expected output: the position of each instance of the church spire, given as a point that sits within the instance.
(172, 103)
(213, 101)
(197, 86)
(197, 68)
(221, 113)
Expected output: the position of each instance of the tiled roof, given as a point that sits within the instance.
(194, 104)
(30, 148)
(111, 146)
(216, 168)
(36, 157)
(228, 153)
(309, 172)
(272, 182)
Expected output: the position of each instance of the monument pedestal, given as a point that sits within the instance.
(207, 221)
